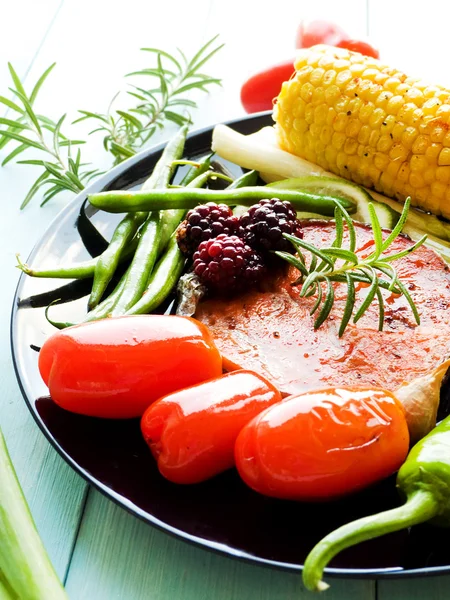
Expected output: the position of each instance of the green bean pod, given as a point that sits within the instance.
(108, 261)
(247, 179)
(80, 270)
(162, 281)
(103, 310)
(152, 233)
(171, 264)
(163, 199)
(141, 266)
(127, 228)
(171, 218)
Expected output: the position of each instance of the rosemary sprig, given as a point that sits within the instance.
(376, 270)
(32, 130)
(126, 131)
(172, 77)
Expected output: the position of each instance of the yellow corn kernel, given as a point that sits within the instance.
(443, 174)
(370, 123)
(444, 157)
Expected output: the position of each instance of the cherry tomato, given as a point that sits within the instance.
(321, 445)
(192, 432)
(319, 32)
(359, 46)
(115, 368)
(259, 91)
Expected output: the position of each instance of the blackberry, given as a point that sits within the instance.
(203, 223)
(227, 264)
(263, 225)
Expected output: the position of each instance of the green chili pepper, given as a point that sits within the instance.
(163, 199)
(424, 480)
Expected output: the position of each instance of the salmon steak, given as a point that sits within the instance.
(271, 330)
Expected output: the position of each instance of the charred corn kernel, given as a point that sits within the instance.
(369, 123)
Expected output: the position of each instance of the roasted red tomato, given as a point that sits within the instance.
(259, 91)
(191, 433)
(358, 46)
(319, 32)
(116, 368)
(320, 445)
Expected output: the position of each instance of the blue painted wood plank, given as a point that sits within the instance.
(118, 556)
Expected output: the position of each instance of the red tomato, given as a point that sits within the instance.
(358, 46)
(319, 32)
(116, 368)
(320, 445)
(191, 433)
(259, 91)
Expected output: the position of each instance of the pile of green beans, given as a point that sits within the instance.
(147, 239)
(146, 236)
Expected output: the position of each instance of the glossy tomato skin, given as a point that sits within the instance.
(322, 445)
(192, 432)
(359, 46)
(319, 32)
(259, 92)
(115, 368)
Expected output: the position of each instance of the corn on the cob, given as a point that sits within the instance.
(370, 123)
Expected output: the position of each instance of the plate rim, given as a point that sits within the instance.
(218, 548)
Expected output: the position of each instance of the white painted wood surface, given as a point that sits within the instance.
(102, 552)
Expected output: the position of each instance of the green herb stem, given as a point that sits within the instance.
(353, 269)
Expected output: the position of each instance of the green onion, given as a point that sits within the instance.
(26, 572)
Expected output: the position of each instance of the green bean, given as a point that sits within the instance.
(57, 324)
(246, 179)
(166, 166)
(162, 281)
(80, 270)
(163, 199)
(151, 240)
(170, 266)
(141, 266)
(205, 164)
(127, 228)
(171, 218)
(103, 310)
(108, 261)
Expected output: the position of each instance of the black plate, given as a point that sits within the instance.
(221, 514)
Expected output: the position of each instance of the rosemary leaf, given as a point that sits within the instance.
(375, 270)
(326, 306)
(125, 131)
(349, 304)
(370, 294)
(318, 300)
(380, 310)
(377, 232)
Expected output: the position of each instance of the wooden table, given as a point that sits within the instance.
(99, 550)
